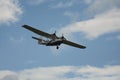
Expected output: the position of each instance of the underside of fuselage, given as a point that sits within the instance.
(54, 43)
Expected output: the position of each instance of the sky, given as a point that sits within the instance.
(93, 23)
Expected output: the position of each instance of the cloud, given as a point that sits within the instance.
(10, 77)
(64, 4)
(64, 73)
(99, 6)
(118, 37)
(10, 11)
(17, 40)
(101, 24)
(72, 15)
(5, 74)
(36, 2)
(101, 17)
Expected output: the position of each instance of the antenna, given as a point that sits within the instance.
(54, 33)
(63, 37)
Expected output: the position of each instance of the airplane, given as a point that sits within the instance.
(52, 40)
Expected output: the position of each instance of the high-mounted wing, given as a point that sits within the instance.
(73, 44)
(39, 32)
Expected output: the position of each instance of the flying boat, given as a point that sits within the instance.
(52, 39)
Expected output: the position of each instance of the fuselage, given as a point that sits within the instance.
(51, 42)
(55, 42)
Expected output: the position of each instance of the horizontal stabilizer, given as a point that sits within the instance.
(35, 38)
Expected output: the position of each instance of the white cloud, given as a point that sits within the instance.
(88, 1)
(9, 11)
(101, 24)
(72, 15)
(5, 73)
(118, 37)
(64, 73)
(99, 6)
(64, 4)
(105, 17)
(61, 4)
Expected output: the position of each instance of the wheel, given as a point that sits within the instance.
(57, 47)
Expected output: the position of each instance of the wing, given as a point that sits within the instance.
(73, 44)
(39, 32)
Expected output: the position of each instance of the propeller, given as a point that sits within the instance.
(63, 37)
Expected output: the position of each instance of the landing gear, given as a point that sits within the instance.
(57, 47)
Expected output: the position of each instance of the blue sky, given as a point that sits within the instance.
(93, 23)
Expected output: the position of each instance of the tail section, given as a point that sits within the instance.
(35, 38)
(39, 40)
